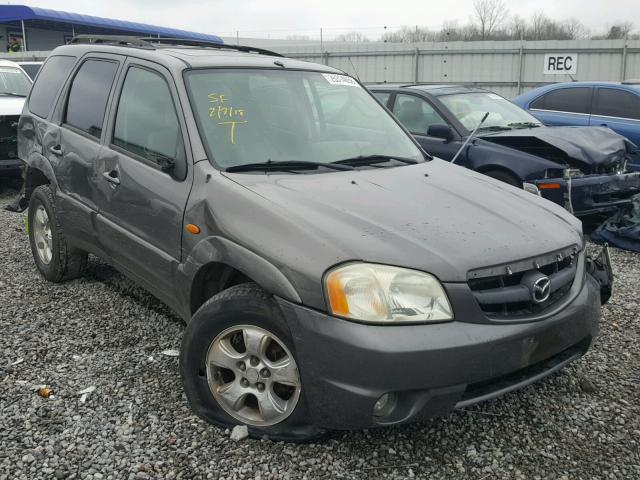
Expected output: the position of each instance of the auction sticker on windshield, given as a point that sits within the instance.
(334, 79)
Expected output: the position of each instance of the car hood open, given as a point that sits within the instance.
(588, 148)
(436, 217)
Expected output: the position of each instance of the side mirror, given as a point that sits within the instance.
(440, 131)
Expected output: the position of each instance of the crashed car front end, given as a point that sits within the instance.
(593, 175)
(589, 194)
(9, 161)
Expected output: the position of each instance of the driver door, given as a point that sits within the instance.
(417, 115)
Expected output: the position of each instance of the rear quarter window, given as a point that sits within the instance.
(44, 92)
(572, 100)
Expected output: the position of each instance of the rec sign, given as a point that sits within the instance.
(560, 63)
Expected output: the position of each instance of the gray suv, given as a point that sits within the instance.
(331, 273)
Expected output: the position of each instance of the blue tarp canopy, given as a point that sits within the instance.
(44, 18)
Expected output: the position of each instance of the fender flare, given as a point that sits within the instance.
(216, 249)
(38, 162)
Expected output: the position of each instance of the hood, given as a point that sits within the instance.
(591, 149)
(11, 105)
(436, 217)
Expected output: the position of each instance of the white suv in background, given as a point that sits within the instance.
(14, 88)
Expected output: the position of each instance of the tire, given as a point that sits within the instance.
(505, 177)
(64, 263)
(243, 307)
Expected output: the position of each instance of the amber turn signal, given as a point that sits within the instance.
(337, 297)
(547, 186)
(194, 229)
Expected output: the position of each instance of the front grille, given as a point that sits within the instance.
(9, 136)
(510, 295)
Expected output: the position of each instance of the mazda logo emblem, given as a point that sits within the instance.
(541, 289)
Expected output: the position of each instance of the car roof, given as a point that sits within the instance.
(433, 89)
(181, 57)
(554, 86)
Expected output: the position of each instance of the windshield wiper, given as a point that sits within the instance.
(364, 160)
(12, 94)
(285, 165)
(524, 125)
(495, 128)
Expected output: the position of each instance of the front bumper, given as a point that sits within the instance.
(591, 194)
(432, 369)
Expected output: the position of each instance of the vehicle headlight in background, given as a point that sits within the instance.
(383, 294)
(571, 172)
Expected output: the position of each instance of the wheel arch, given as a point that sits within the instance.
(38, 172)
(216, 264)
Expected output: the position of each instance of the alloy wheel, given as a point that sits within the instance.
(253, 375)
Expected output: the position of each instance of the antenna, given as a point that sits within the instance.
(354, 68)
(466, 142)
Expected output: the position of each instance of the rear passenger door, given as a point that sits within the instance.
(144, 177)
(564, 106)
(619, 110)
(417, 115)
(74, 146)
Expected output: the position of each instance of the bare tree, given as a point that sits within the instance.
(352, 37)
(620, 30)
(489, 14)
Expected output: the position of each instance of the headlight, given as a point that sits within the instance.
(382, 294)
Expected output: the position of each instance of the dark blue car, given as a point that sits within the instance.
(583, 169)
(613, 105)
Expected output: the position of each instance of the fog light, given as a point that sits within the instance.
(385, 405)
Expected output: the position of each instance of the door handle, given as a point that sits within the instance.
(56, 150)
(604, 125)
(112, 177)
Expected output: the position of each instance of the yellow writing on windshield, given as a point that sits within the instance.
(222, 109)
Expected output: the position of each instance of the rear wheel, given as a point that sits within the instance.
(53, 257)
(505, 177)
(238, 366)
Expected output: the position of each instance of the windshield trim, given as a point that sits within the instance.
(200, 128)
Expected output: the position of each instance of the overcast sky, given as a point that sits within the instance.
(281, 17)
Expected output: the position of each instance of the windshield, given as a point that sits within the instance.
(14, 82)
(469, 108)
(263, 115)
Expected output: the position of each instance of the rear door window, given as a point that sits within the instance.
(612, 102)
(416, 114)
(88, 96)
(571, 100)
(54, 72)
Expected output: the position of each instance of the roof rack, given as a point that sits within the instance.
(154, 43)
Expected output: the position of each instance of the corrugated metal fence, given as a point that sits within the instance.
(507, 67)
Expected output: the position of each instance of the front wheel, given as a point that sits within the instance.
(238, 366)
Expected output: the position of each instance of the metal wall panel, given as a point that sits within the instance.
(509, 67)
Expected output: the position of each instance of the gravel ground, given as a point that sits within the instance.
(103, 331)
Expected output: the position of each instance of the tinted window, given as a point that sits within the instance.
(89, 94)
(31, 69)
(415, 113)
(574, 100)
(383, 97)
(617, 103)
(54, 72)
(146, 122)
